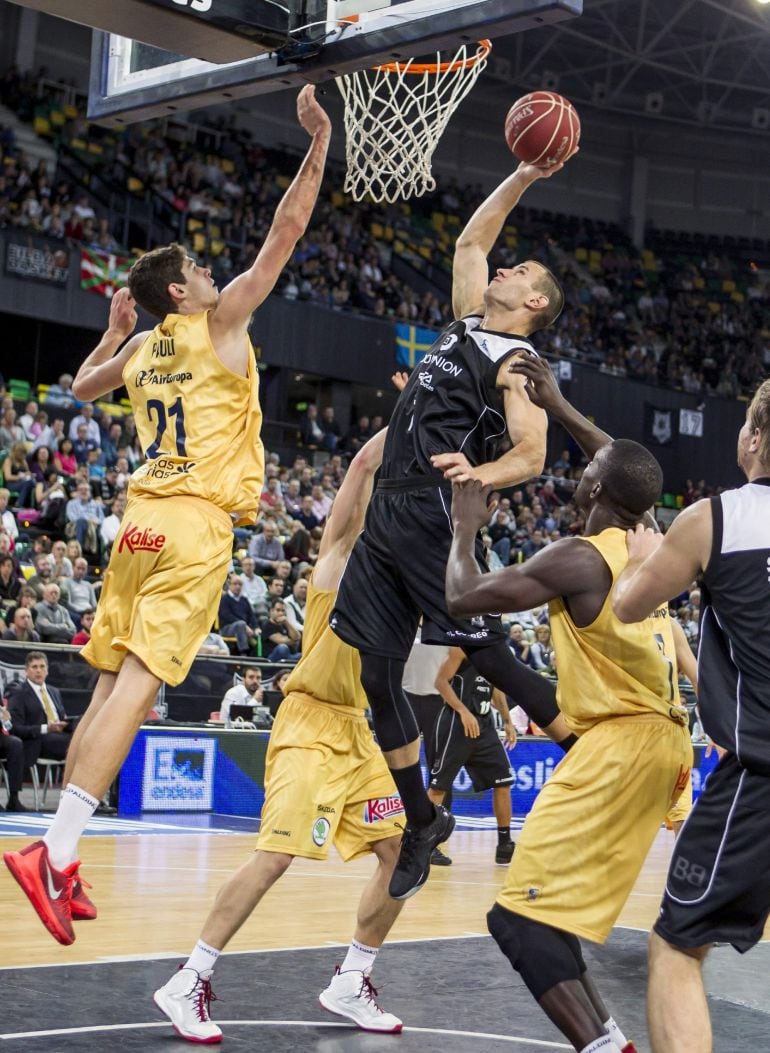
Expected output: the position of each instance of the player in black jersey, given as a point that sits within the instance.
(461, 407)
(465, 736)
(717, 888)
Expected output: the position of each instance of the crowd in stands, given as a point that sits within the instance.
(695, 321)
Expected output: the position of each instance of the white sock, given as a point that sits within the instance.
(600, 1045)
(615, 1033)
(359, 958)
(203, 959)
(75, 809)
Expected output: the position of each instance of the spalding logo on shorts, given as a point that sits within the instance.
(383, 808)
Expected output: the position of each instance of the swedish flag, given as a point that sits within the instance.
(412, 341)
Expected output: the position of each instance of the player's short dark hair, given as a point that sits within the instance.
(151, 275)
(547, 283)
(759, 418)
(631, 477)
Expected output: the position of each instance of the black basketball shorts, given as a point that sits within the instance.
(396, 573)
(483, 758)
(717, 890)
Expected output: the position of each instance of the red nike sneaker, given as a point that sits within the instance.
(48, 890)
(81, 906)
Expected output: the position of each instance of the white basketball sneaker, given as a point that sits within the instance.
(351, 994)
(186, 1001)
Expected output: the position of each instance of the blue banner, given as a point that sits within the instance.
(533, 761)
(412, 342)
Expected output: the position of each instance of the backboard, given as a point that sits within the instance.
(132, 81)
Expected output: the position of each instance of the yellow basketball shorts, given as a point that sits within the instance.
(593, 823)
(325, 782)
(679, 811)
(162, 586)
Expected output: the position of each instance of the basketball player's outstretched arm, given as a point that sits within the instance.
(660, 567)
(470, 271)
(570, 567)
(102, 371)
(346, 519)
(245, 293)
(543, 391)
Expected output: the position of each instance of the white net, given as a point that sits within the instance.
(394, 118)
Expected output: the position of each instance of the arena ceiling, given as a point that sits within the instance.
(698, 62)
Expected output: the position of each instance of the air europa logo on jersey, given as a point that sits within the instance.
(149, 376)
(383, 808)
(137, 540)
(443, 364)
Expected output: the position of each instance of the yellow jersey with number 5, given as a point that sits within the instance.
(609, 669)
(198, 422)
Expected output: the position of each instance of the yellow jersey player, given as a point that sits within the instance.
(326, 782)
(585, 840)
(192, 383)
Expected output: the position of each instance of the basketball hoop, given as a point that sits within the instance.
(394, 117)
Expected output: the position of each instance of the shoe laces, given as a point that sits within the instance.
(408, 847)
(202, 996)
(368, 993)
(71, 875)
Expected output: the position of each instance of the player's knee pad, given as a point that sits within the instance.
(543, 956)
(394, 722)
(526, 688)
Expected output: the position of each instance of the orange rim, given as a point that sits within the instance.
(484, 48)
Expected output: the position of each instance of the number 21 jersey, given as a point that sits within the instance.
(198, 422)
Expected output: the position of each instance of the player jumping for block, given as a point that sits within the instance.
(193, 386)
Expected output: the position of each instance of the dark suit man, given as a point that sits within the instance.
(12, 752)
(38, 713)
(237, 617)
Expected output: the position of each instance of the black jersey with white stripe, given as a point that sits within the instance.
(734, 653)
(473, 690)
(451, 402)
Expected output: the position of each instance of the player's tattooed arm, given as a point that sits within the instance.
(245, 293)
(543, 391)
(102, 371)
(661, 567)
(570, 567)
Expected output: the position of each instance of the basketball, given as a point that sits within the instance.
(542, 128)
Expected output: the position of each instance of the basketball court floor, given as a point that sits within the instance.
(154, 882)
